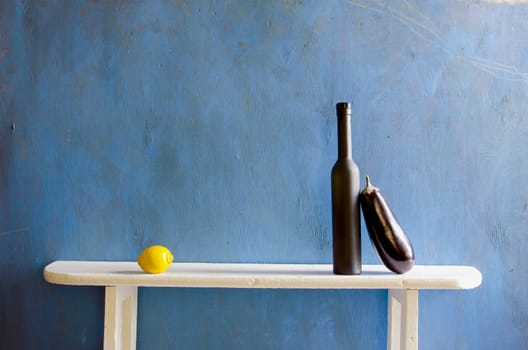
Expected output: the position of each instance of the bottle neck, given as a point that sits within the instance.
(344, 137)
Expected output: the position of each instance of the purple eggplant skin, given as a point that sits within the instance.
(390, 241)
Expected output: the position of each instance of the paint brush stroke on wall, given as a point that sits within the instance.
(510, 2)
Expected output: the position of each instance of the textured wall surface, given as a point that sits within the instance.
(209, 127)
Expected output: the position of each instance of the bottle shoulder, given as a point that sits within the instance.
(346, 163)
(345, 166)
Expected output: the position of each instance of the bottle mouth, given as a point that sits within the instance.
(344, 108)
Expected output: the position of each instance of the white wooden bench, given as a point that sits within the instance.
(122, 279)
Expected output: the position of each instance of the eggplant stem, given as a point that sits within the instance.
(368, 181)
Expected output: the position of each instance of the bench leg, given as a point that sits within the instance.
(120, 318)
(403, 319)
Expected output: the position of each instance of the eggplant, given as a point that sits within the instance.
(388, 238)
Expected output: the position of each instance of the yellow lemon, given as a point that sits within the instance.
(155, 259)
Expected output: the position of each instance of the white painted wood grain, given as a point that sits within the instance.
(120, 319)
(402, 328)
(292, 276)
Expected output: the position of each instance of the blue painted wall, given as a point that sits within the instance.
(209, 127)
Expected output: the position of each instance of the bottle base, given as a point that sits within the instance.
(347, 271)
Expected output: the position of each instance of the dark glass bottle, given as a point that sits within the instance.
(346, 228)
